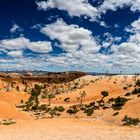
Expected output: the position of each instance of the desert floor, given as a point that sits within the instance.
(67, 129)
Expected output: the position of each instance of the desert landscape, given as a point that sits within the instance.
(75, 106)
(70, 70)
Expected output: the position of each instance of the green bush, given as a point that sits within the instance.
(28, 105)
(53, 113)
(130, 121)
(89, 111)
(43, 107)
(104, 93)
(119, 102)
(59, 108)
(72, 110)
(91, 104)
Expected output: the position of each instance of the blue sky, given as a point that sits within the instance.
(63, 35)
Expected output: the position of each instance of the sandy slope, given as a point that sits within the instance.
(93, 93)
(8, 100)
(101, 126)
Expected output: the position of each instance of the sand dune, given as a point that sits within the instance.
(102, 125)
(8, 102)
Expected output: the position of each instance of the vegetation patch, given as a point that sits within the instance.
(130, 121)
(73, 110)
(7, 122)
(67, 100)
(136, 91)
(118, 102)
(89, 111)
(115, 114)
(128, 94)
(138, 83)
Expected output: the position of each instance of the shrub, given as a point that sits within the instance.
(125, 88)
(28, 106)
(90, 104)
(111, 100)
(67, 100)
(7, 122)
(82, 96)
(53, 113)
(119, 102)
(138, 82)
(21, 101)
(34, 108)
(136, 91)
(72, 110)
(115, 114)
(130, 121)
(138, 95)
(59, 108)
(89, 111)
(104, 94)
(43, 107)
(128, 94)
(17, 88)
(34, 94)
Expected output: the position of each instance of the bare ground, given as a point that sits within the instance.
(67, 129)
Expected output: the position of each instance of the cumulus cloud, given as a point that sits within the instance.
(86, 9)
(22, 43)
(135, 29)
(73, 7)
(81, 49)
(14, 44)
(129, 47)
(72, 37)
(40, 46)
(127, 53)
(115, 4)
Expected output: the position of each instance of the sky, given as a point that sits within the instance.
(70, 35)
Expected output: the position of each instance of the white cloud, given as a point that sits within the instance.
(110, 40)
(15, 53)
(84, 8)
(73, 7)
(14, 44)
(40, 46)
(72, 37)
(127, 54)
(102, 23)
(15, 28)
(115, 4)
(22, 43)
(136, 25)
(129, 47)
